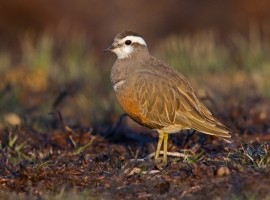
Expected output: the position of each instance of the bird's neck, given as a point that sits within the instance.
(123, 67)
(119, 70)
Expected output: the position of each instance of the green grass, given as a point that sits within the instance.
(239, 63)
(192, 54)
(45, 69)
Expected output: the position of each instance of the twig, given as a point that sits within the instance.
(173, 154)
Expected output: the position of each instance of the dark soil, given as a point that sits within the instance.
(106, 159)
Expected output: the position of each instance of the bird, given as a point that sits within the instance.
(156, 95)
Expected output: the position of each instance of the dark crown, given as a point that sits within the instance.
(127, 33)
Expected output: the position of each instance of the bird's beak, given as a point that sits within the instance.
(110, 48)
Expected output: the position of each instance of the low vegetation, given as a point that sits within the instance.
(62, 135)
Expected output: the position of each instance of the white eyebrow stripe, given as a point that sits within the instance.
(137, 39)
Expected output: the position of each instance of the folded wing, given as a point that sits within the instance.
(173, 103)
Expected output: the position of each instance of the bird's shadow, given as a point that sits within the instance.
(120, 133)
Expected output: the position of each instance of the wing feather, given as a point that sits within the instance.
(170, 101)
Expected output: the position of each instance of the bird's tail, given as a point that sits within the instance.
(212, 127)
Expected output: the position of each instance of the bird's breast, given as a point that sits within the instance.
(130, 105)
(125, 97)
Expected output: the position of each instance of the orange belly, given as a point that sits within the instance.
(133, 109)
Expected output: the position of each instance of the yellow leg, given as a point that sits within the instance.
(160, 141)
(165, 147)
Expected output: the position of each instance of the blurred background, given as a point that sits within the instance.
(51, 53)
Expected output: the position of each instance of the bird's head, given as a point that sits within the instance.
(127, 44)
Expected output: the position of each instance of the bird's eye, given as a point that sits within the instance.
(128, 42)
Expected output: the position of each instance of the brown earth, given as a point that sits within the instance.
(105, 160)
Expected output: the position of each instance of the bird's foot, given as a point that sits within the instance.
(160, 163)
